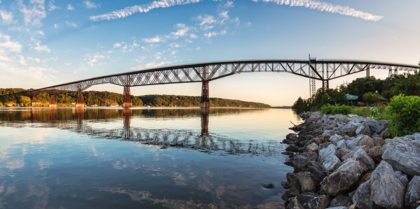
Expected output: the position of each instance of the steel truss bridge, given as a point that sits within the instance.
(322, 70)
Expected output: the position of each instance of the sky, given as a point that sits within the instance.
(49, 42)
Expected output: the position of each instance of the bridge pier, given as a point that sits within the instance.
(53, 103)
(79, 100)
(79, 114)
(33, 98)
(127, 98)
(204, 123)
(325, 84)
(367, 73)
(205, 98)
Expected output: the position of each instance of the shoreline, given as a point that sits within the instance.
(347, 161)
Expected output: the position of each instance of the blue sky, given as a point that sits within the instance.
(48, 42)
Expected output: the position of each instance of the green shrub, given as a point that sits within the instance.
(1, 105)
(343, 109)
(405, 115)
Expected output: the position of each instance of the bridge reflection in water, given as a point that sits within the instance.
(72, 119)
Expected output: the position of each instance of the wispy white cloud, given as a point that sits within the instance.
(5, 43)
(151, 65)
(51, 5)
(116, 45)
(90, 5)
(207, 19)
(7, 17)
(141, 9)
(71, 24)
(33, 13)
(55, 25)
(40, 47)
(156, 39)
(70, 7)
(210, 34)
(326, 7)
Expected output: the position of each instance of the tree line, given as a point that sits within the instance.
(365, 88)
(104, 98)
(194, 101)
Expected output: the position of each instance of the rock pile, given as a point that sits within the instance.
(344, 161)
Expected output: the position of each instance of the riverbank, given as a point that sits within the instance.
(344, 161)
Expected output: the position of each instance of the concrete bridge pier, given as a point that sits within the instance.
(33, 98)
(79, 114)
(127, 98)
(79, 100)
(205, 98)
(204, 123)
(53, 103)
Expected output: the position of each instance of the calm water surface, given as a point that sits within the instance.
(142, 158)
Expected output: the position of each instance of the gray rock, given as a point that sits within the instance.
(402, 177)
(376, 153)
(327, 158)
(351, 144)
(313, 201)
(285, 184)
(312, 147)
(377, 126)
(300, 163)
(306, 182)
(363, 157)
(326, 135)
(366, 141)
(342, 144)
(386, 190)
(335, 138)
(378, 141)
(412, 197)
(363, 129)
(416, 136)
(339, 207)
(350, 129)
(294, 204)
(342, 152)
(344, 177)
(324, 145)
(292, 136)
(293, 180)
(341, 200)
(362, 198)
(403, 156)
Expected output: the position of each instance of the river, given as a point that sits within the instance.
(142, 158)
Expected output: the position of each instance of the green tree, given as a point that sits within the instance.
(369, 97)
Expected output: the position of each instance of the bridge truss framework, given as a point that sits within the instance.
(322, 70)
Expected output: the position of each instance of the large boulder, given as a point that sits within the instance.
(352, 143)
(327, 134)
(378, 141)
(377, 126)
(293, 180)
(376, 153)
(294, 204)
(386, 190)
(412, 197)
(292, 136)
(307, 183)
(366, 141)
(403, 156)
(313, 201)
(342, 144)
(327, 157)
(362, 199)
(336, 138)
(363, 157)
(402, 177)
(363, 129)
(300, 162)
(313, 147)
(344, 177)
(341, 200)
(342, 152)
(350, 129)
(416, 136)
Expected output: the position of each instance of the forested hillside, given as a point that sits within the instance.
(191, 101)
(104, 98)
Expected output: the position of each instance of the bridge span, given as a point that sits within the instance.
(322, 70)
